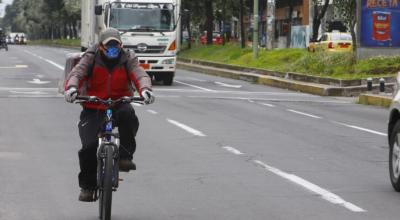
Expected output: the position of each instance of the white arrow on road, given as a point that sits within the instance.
(228, 85)
(38, 81)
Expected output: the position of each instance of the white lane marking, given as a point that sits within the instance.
(47, 60)
(152, 112)
(29, 93)
(264, 99)
(325, 194)
(27, 89)
(305, 114)
(35, 96)
(14, 67)
(38, 81)
(195, 79)
(361, 129)
(55, 64)
(186, 128)
(194, 86)
(269, 105)
(228, 85)
(233, 150)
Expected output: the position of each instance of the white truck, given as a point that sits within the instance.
(150, 28)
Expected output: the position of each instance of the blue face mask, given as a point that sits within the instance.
(112, 52)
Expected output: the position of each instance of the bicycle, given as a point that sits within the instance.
(107, 154)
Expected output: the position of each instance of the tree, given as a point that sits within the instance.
(348, 11)
(210, 21)
(320, 8)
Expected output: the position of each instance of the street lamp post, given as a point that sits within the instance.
(255, 30)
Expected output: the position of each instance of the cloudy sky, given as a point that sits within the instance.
(3, 6)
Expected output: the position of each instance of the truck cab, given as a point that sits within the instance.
(150, 28)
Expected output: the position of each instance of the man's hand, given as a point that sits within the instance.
(148, 96)
(70, 94)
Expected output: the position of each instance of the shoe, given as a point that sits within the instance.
(125, 165)
(87, 195)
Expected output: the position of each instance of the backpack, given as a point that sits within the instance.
(72, 59)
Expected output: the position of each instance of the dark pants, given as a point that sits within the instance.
(91, 123)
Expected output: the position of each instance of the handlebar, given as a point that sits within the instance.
(109, 102)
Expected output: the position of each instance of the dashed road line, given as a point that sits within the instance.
(194, 86)
(361, 129)
(47, 60)
(267, 104)
(14, 67)
(325, 194)
(233, 150)
(186, 128)
(303, 113)
(152, 112)
(228, 85)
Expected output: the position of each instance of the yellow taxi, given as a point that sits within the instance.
(332, 42)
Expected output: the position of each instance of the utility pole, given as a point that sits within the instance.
(255, 30)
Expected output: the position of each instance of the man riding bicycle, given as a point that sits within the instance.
(106, 70)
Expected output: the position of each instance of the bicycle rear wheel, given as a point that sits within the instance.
(105, 199)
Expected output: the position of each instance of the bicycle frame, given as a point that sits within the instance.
(106, 140)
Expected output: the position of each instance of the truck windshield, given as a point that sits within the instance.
(143, 17)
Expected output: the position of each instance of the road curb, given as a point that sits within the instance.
(374, 99)
(274, 81)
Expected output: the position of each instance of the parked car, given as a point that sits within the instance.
(332, 42)
(217, 38)
(394, 139)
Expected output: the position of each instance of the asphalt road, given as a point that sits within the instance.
(209, 148)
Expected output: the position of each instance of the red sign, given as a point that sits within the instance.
(381, 26)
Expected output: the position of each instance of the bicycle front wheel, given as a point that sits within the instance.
(106, 194)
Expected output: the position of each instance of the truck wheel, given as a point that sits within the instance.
(168, 79)
(394, 157)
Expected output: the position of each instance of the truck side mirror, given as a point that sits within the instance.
(98, 9)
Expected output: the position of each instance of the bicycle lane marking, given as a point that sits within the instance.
(186, 128)
(315, 189)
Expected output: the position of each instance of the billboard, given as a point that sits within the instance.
(380, 23)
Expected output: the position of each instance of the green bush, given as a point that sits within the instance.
(335, 65)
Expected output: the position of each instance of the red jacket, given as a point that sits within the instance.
(105, 83)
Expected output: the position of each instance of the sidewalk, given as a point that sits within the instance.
(296, 82)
